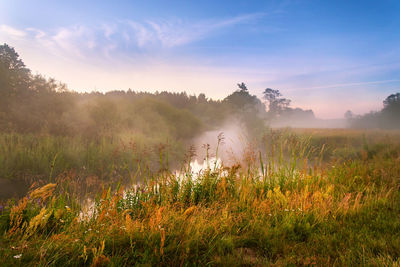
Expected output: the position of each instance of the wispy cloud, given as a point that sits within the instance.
(12, 32)
(130, 54)
(339, 85)
(178, 32)
(139, 36)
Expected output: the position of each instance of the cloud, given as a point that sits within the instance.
(141, 34)
(122, 54)
(348, 84)
(178, 33)
(138, 37)
(147, 55)
(12, 32)
(109, 30)
(38, 33)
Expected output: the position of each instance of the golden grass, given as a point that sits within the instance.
(282, 208)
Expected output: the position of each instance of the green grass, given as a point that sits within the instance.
(294, 201)
(43, 158)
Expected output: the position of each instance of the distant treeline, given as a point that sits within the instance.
(33, 104)
(387, 118)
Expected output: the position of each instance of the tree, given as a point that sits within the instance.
(9, 59)
(348, 115)
(14, 82)
(393, 99)
(202, 98)
(390, 114)
(276, 104)
(387, 118)
(242, 101)
(242, 86)
(14, 76)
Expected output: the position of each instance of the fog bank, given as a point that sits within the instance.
(309, 123)
(231, 139)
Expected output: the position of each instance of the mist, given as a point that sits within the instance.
(199, 133)
(230, 141)
(309, 123)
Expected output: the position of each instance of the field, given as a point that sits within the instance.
(307, 197)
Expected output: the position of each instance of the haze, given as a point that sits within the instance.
(324, 56)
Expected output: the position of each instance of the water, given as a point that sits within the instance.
(197, 167)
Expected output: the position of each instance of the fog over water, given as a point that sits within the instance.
(309, 123)
(228, 143)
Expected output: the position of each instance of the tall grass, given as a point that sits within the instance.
(42, 159)
(285, 204)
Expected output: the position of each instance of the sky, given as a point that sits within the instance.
(328, 56)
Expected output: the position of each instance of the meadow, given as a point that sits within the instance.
(306, 197)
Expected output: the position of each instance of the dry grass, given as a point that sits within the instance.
(288, 205)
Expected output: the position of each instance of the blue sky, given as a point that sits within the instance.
(328, 56)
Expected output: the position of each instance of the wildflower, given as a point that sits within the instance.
(189, 211)
(43, 193)
(286, 210)
(18, 256)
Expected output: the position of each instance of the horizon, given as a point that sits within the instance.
(317, 54)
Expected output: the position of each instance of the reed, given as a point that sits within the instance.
(287, 203)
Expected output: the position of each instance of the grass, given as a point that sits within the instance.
(44, 158)
(296, 201)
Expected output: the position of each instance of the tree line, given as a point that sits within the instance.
(34, 104)
(387, 118)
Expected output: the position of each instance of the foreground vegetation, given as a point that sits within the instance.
(94, 180)
(323, 198)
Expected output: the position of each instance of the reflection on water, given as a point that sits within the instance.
(197, 167)
(213, 149)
